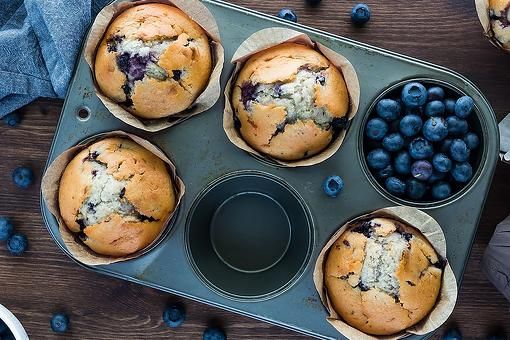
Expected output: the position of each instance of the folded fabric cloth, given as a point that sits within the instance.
(39, 43)
(496, 260)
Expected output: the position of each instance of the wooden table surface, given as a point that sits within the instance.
(44, 280)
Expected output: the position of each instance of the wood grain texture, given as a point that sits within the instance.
(445, 32)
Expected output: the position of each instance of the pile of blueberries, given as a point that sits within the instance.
(419, 144)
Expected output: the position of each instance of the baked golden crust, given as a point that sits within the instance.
(370, 309)
(261, 123)
(187, 51)
(147, 196)
(500, 20)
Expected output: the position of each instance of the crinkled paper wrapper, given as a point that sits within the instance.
(433, 232)
(270, 37)
(196, 11)
(50, 186)
(482, 8)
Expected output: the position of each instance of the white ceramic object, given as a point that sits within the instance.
(13, 323)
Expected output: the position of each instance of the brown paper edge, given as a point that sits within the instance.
(196, 11)
(270, 37)
(448, 294)
(482, 9)
(50, 186)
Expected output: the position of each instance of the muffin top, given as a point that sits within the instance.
(500, 20)
(383, 276)
(289, 101)
(154, 60)
(116, 195)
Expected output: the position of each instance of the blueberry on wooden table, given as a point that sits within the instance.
(6, 230)
(360, 14)
(174, 316)
(23, 177)
(333, 185)
(17, 244)
(59, 323)
(288, 14)
(12, 119)
(213, 333)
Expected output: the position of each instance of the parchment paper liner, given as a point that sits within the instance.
(196, 11)
(50, 186)
(270, 37)
(433, 232)
(482, 9)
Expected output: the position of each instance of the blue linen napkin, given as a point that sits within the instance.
(39, 43)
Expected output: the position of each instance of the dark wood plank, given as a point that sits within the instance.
(45, 280)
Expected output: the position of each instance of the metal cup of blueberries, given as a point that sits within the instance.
(421, 142)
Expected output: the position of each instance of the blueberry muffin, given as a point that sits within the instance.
(289, 100)
(116, 196)
(499, 12)
(153, 60)
(383, 276)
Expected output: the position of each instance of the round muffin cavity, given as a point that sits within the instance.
(116, 196)
(153, 60)
(383, 276)
(499, 12)
(289, 101)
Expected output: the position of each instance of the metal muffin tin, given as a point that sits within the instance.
(198, 261)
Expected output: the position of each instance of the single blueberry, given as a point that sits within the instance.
(435, 93)
(6, 229)
(402, 163)
(3, 327)
(471, 140)
(12, 119)
(385, 172)
(459, 150)
(441, 162)
(388, 109)
(436, 176)
(410, 125)
(415, 189)
(420, 148)
(360, 14)
(376, 129)
(441, 190)
(421, 170)
(464, 106)
(395, 186)
(393, 142)
(444, 147)
(456, 126)
(378, 159)
(174, 316)
(17, 244)
(213, 333)
(23, 177)
(414, 94)
(435, 129)
(59, 323)
(287, 14)
(434, 108)
(462, 172)
(333, 185)
(449, 105)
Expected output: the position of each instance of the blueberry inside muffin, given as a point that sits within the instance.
(154, 60)
(499, 12)
(383, 276)
(116, 196)
(289, 101)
